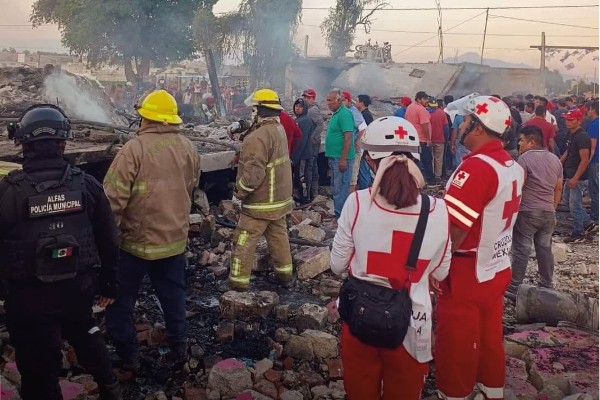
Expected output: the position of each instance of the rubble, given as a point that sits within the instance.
(230, 377)
(311, 316)
(312, 262)
(236, 304)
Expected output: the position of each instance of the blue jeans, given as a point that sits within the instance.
(575, 199)
(426, 163)
(593, 189)
(365, 180)
(167, 276)
(340, 184)
(461, 151)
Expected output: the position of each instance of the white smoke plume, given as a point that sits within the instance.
(74, 98)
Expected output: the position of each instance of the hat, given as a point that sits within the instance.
(421, 95)
(365, 99)
(347, 96)
(432, 102)
(405, 101)
(574, 115)
(310, 92)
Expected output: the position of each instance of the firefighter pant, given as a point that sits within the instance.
(373, 373)
(167, 276)
(247, 233)
(39, 316)
(468, 348)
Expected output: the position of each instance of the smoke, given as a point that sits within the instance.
(77, 101)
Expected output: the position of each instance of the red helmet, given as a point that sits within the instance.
(310, 92)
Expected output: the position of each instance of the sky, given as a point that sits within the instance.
(411, 33)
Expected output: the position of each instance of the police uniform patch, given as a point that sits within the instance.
(56, 203)
(460, 179)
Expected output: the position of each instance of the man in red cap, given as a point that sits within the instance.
(401, 111)
(575, 164)
(314, 113)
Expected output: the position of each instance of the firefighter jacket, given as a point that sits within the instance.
(56, 222)
(264, 177)
(150, 185)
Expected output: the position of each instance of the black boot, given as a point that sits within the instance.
(111, 392)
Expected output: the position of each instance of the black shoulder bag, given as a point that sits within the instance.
(377, 315)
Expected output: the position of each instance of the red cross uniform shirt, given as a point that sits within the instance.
(373, 241)
(483, 197)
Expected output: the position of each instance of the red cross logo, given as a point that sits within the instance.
(511, 207)
(461, 175)
(494, 99)
(401, 132)
(481, 108)
(392, 265)
(507, 122)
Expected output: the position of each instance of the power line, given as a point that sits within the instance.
(432, 37)
(543, 22)
(466, 8)
(469, 33)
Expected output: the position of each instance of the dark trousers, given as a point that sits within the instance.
(323, 168)
(167, 276)
(533, 227)
(302, 171)
(39, 316)
(426, 163)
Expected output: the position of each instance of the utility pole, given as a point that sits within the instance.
(440, 31)
(543, 50)
(306, 46)
(487, 14)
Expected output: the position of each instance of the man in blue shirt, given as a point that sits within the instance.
(592, 131)
(401, 111)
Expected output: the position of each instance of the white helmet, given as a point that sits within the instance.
(490, 111)
(129, 83)
(387, 135)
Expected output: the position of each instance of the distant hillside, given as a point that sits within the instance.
(475, 58)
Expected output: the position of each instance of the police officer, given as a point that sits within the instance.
(57, 227)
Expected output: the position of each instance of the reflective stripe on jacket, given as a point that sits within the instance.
(149, 185)
(264, 177)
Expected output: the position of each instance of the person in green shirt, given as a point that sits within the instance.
(339, 149)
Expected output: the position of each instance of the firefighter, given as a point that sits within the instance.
(150, 185)
(483, 197)
(263, 192)
(57, 228)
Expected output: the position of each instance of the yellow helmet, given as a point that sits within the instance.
(160, 106)
(266, 98)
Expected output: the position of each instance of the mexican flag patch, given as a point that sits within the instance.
(64, 252)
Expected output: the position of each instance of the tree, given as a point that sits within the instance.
(261, 30)
(340, 25)
(134, 33)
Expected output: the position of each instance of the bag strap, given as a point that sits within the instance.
(415, 246)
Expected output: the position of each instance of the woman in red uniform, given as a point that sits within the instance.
(373, 240)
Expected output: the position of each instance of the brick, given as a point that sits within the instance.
(273, 376)
(230, 376)
(299, 347)
(311, 316)
(312, 262)
(247, 304)
(265, 387)
(308, 232)
(324, 344)
(262, 366)
(225, 331)
(335, 368)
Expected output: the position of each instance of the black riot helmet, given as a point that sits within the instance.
(41, 121)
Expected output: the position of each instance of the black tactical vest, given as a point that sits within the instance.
(52, 238)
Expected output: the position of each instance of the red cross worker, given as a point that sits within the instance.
(375, 233)
(483, 197)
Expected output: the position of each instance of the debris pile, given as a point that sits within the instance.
(273, 343)
(80, 97)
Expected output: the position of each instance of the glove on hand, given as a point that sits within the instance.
(237, 203)
(234, 128)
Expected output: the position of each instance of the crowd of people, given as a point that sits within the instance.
(398, 245)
